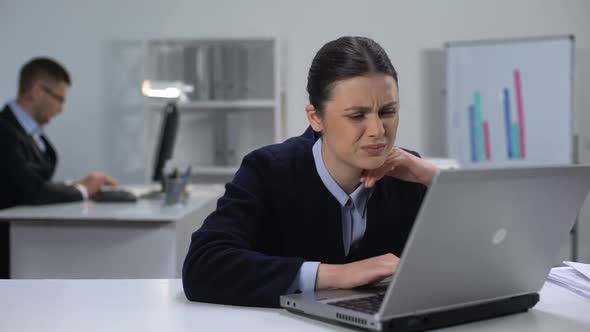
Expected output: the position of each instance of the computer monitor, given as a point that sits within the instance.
(165, 144)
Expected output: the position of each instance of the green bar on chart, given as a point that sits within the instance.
(479, 126)
(516, 140)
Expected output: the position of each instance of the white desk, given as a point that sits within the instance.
(160, 305)
(105, 240)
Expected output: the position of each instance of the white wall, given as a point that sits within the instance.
(412, 32)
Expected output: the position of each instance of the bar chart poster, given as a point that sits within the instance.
(509, 103)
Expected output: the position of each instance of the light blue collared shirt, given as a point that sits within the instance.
(31, 126)
(354, 220)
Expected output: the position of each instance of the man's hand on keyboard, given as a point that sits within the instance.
(95, 181)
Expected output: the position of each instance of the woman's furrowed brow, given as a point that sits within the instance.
(362, 108)
(358, 108)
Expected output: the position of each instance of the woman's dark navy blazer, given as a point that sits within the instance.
(275, 214)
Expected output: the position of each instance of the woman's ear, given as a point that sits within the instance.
(314, 118)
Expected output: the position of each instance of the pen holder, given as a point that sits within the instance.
(175, 191)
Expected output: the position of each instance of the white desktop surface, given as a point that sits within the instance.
(142, 210)
(160, 305)
(89, 240)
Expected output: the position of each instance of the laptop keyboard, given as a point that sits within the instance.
(367, 305)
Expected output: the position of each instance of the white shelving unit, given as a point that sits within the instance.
(235, 107)
(219, 104)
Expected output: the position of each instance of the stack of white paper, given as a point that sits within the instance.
(574, 277)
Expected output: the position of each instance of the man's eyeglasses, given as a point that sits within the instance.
(57, 97)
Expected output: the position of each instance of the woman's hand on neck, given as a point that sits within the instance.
(404, 166)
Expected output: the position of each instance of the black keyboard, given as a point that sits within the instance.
(368, 305)
(114, 195)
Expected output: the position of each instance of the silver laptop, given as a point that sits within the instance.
(481, 246)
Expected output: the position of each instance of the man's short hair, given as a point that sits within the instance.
(41, 68)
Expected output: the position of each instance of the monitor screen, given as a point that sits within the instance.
(165, 144)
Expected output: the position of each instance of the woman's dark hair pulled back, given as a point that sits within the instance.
(344, 58)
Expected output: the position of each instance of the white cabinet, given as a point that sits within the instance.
(235, 107)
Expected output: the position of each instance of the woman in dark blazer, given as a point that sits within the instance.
(330, 208)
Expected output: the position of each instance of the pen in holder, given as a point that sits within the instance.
(175, 188)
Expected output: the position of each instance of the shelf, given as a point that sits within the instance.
(214, 170)
(235, 106)
(219, 104)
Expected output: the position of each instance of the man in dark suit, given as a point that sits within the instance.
(28, 158)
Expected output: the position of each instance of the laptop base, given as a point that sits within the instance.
(445, 318)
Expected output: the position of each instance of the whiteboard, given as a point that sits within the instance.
(509, 102)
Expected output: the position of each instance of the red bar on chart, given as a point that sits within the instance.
(520, 111)
(486, 139)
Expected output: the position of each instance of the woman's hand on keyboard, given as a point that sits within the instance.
(356, 274)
